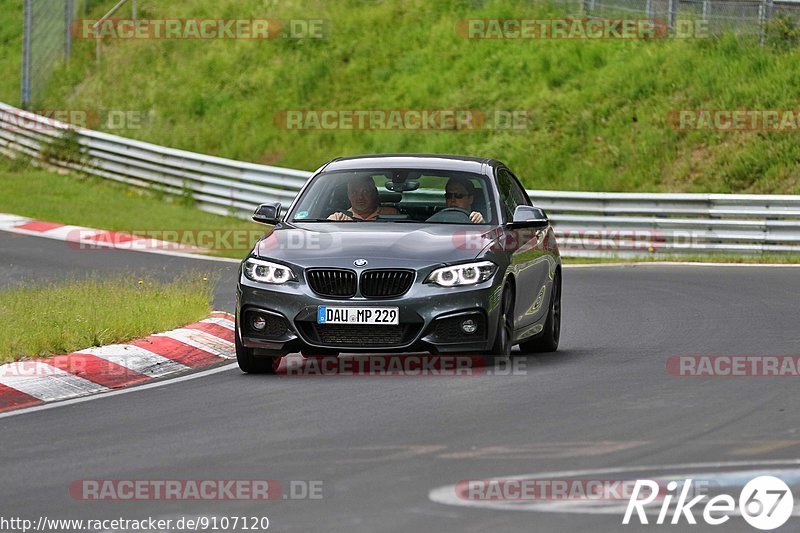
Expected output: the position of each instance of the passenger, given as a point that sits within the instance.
(363, 196)
(460, 193)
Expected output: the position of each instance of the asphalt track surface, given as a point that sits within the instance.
(380, 444)
(25, 259)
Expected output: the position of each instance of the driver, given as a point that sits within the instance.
(460, 193)
(363, 196)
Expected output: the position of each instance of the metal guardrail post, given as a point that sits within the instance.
(69, 11)
(648, 9)
(27, 28)
(672, 12)
(765, 13)
(706, 6)
(102, 20)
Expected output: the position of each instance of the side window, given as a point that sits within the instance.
(511, 194)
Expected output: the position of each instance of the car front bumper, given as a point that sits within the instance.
(429, 316)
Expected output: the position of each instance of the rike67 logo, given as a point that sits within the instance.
(765, 503)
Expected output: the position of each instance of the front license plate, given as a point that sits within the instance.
(388, 316)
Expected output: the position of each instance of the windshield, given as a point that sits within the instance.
(399, 195)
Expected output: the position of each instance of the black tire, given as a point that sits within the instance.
(252, 364)
(505, 325)
(547, 340)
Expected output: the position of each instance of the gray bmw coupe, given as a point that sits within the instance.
(401, 253)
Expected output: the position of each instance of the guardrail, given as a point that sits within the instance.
(588, 224)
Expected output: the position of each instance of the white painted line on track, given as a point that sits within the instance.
(46, 382)
(73, 401)
(65, 233)
(446, 495)
(201, 340)
(10, 221)
(224, 322)
(70, 233)
(157, 252)
(136, 359)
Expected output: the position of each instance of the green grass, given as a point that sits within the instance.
(96, 203)
(62, 317)
(10, 50)
(598, 110)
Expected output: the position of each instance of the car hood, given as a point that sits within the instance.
(381, 244)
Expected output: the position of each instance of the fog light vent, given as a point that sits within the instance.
(469, 326)
(259, 323)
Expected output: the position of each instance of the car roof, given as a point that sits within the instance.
(459, 163)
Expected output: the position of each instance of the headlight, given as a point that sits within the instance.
(266, 272)
(466, 274)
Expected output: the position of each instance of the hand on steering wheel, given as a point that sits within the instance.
(454, 210)
(476, 217)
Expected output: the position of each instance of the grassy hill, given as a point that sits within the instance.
(597, 110)
(10, 50)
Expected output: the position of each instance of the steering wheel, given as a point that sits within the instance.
(450, 214)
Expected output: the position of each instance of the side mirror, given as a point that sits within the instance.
(268, 213)
(526, 216)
